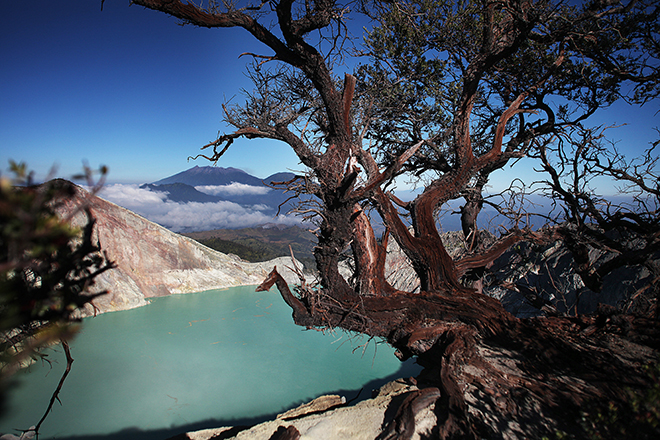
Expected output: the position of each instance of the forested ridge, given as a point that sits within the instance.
(261, 243)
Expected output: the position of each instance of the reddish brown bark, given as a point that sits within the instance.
(425, 249)
(288, 433)
(499, 376)
(489, 374)
(369, 258)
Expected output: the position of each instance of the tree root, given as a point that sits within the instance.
(402, 427)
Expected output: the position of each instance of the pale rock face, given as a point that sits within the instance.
(363, 421)
(153, 261)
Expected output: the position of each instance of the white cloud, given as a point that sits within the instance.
(130, 196)
(233, 189)
(192, 216)
(260, 207)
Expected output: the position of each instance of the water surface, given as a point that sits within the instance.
(221, 357)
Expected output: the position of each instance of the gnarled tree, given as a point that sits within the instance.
(453, 91)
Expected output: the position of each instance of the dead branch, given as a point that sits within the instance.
(56, 393)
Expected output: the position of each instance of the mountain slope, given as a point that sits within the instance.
(208, 175)
(264, 242)
(181, 192)
(213, 184)
(153, 261)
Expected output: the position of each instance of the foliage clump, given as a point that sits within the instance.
(46, 267)
(260, 243)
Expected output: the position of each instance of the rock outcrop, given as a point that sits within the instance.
(152, 261)
(365, 420)
(532, 280)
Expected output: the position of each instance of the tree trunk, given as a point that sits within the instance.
(469, 213)
(334, 237)
(369, 258)
(428, 256)
(488, 374)
(503, 377)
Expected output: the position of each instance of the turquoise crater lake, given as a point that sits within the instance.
(216, 358)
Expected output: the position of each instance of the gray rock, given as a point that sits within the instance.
(531, 280)
(542, 278)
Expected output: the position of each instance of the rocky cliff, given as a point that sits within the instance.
(533, 280)
(153, 261)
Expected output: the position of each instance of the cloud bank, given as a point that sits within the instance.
(192, 216)
(233, 189)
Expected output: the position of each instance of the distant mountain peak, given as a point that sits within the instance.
(211, 175)
(210, 184)
(216, 169)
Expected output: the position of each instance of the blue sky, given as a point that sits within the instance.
(124, 87)
(129, 88)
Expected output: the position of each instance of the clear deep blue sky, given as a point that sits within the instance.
(129, 88)
(124, 87)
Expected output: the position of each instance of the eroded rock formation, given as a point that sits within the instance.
(153, 261)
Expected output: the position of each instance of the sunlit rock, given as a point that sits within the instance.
(152, 261)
